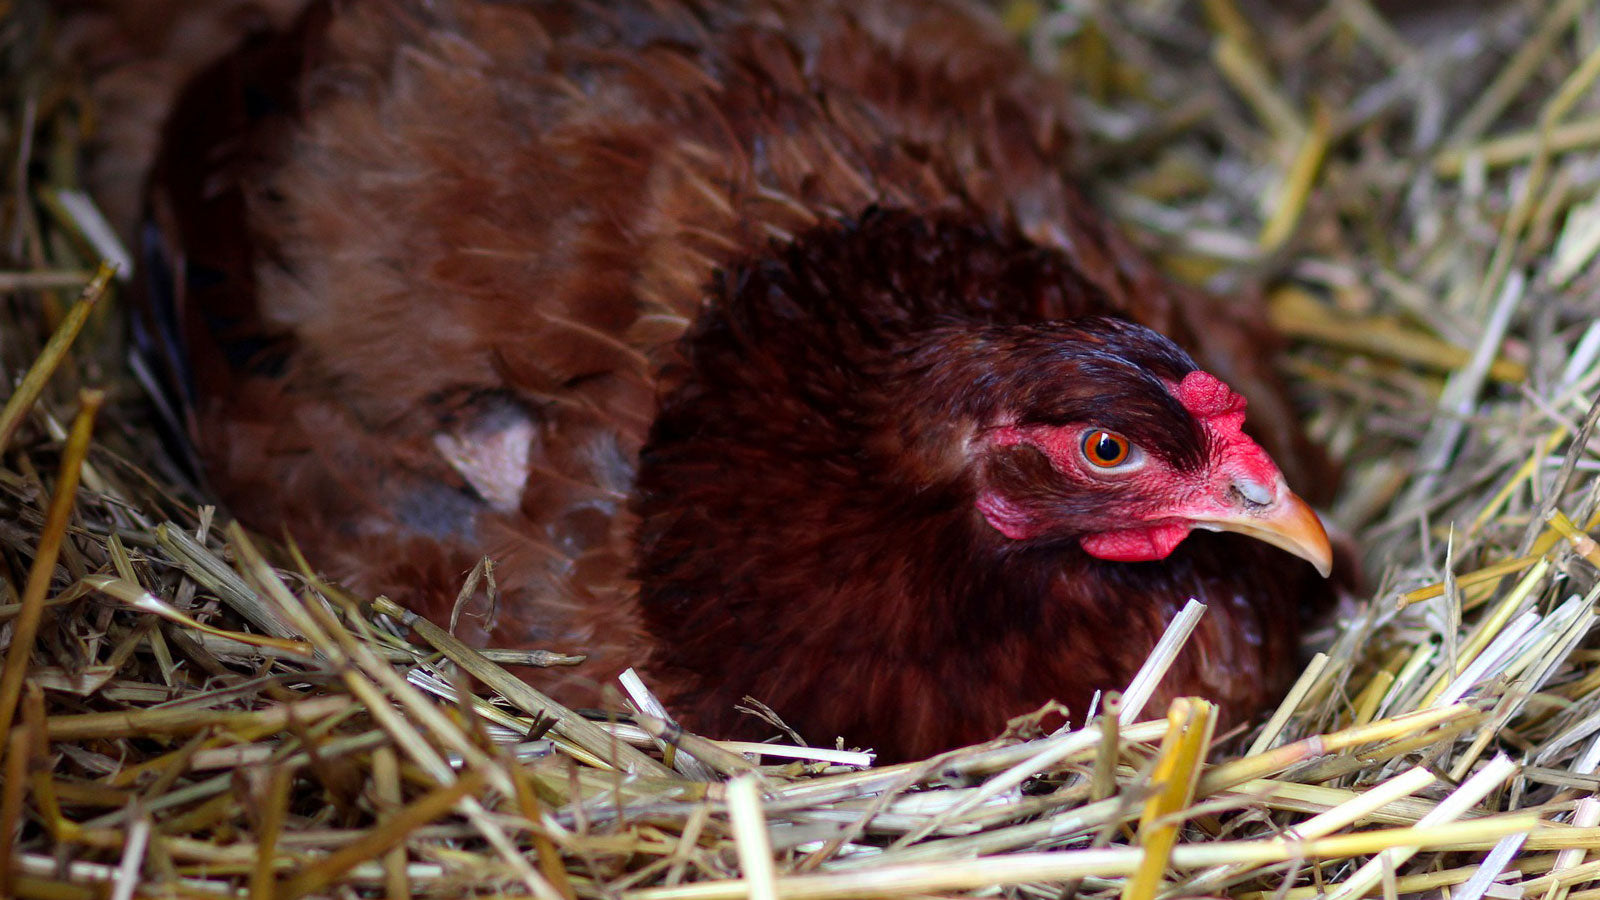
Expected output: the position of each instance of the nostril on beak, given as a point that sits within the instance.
(1254, 493)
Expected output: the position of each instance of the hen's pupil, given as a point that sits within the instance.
(1106, 448)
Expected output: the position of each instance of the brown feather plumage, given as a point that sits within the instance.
(448, 270)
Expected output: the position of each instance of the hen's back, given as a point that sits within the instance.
(435, 257)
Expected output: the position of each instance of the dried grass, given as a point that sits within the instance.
(189, 712)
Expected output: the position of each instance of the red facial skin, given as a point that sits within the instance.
(1167, 501)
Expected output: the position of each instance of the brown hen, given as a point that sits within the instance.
(764, 344)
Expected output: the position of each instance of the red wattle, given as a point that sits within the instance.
(1145, 544)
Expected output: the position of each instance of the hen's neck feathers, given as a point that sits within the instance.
(807, 481)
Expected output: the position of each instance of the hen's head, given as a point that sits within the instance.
(1104, 432)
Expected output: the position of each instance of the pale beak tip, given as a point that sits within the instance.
(1301, 532)
(1289, 524)
(1323, 563)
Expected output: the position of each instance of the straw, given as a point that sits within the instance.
(1405, 194)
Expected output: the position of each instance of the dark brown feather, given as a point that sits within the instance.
(450, 267)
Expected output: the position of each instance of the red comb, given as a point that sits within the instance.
(1206, 397)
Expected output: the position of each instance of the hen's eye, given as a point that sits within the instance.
(1105, 449)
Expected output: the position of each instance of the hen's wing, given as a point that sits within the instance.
(434, 257)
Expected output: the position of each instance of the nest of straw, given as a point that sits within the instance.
(188, 711)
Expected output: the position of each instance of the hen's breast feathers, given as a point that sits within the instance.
(475, 233)
(809, 485)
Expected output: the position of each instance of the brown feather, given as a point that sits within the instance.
(441, 260)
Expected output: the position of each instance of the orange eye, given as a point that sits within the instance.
(1105, 449)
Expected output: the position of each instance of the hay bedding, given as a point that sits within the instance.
(1415, 188)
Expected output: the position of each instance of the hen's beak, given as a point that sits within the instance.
(1286, 523)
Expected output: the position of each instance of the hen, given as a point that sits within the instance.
(765, 344)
